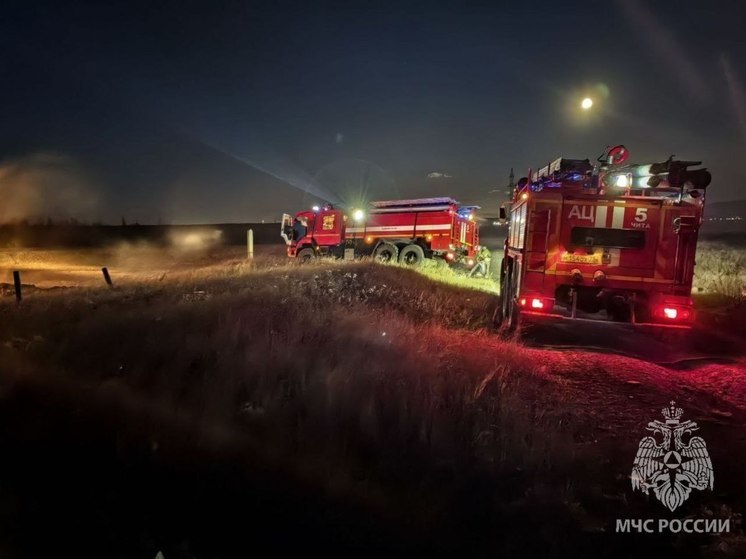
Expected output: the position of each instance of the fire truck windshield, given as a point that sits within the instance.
(603, 237)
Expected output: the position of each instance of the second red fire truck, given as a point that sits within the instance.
(407, 231)
(605, 241)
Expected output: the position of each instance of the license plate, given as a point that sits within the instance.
(582, 258)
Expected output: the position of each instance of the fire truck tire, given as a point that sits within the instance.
(412, 255)
(514, 318)
(504, 291)
(497, 316)
(386, 252)
(306, 255)
(510, 310)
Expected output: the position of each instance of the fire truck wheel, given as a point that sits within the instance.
(306, 255)
(513, 319)
(510, 310)
(505, 278)
(497, 316)
(412, 255)
(386, 252)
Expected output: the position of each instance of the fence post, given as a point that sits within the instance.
(250, 243)
(17, 285)
(107, 277)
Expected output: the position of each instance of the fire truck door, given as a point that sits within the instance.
(535, 259)
(328, 228)
(286, 228)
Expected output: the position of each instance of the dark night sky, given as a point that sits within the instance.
(184, 111)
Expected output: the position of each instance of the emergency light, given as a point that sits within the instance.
(619, 180)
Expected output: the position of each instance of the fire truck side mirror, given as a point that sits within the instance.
(503, 213)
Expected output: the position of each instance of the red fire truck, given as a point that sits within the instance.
(607, 241)
(407, 231)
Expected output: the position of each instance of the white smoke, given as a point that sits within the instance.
(44, 184)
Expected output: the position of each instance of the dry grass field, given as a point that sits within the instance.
(721, 270)
(207, 406)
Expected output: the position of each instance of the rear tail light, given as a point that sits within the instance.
(673, 313)
(536, 303)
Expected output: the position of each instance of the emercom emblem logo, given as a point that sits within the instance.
(669, 464)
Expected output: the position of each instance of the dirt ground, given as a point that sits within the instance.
(127, 262)
(207, 406)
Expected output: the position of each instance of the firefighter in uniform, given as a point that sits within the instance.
(483, 263)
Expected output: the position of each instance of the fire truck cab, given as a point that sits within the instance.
(606, 242)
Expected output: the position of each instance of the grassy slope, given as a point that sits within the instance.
(373, 383)
(336, 375)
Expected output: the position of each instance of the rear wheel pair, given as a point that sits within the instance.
(386, 252)
(410, 255)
